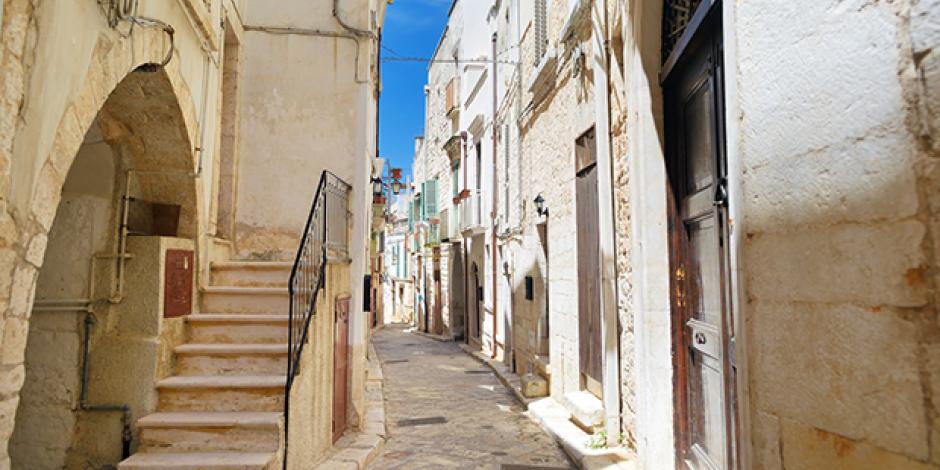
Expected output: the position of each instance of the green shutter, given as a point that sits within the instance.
(411, 217)
(430, 199)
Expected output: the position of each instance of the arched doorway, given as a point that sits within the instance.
(129, 178)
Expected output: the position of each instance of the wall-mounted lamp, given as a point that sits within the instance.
(540, 205)
(377, 187)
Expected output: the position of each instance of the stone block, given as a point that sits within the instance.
(864, 264)
(36, 250)
(13, 378)
(822, 187)
(766, 440)
(534, 386)
(841, 368)
(925, 25)
(16, 331)
(22, 290)
(585, 408)
(813, 448)
(802, 70)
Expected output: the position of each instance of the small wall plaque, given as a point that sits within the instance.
(178, 283)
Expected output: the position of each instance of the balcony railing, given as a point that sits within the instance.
(471, 213)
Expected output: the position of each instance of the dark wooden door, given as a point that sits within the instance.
(589, 293)
(340, 366)
(702, 317)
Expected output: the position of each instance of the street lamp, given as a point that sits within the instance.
(540, 205)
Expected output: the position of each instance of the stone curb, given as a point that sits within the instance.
(438, 338)
(555, 420)
(509, 380)
(355, 451)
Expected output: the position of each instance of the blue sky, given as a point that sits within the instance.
(412, 29)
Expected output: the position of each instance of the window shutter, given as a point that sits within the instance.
(541, 29)
(411, 217)
(430, 199)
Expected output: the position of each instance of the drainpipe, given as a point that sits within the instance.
(609, 330)
(495, 191)
(466, 262)
(84, 405)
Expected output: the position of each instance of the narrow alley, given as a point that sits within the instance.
(446, 410)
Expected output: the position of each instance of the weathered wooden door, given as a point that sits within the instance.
(702, 316)
(589, 293)
(340, 366)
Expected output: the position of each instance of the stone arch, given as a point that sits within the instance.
(147, 115)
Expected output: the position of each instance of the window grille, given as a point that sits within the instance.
(541, 29)
(676, 17)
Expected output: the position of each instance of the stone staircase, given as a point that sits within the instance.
(223, 408)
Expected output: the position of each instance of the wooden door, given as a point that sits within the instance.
(702, 318)
(340, 366)
(589, 292)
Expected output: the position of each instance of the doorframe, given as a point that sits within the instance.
(641, 32)
(739, 407)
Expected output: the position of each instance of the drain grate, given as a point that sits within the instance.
(396, 361)
(422, 421)
(477, 372)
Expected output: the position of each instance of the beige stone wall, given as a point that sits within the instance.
(311, 399)
(60, 63)
(549, 127)
(839, 198)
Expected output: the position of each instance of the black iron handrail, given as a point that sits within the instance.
(325, 234)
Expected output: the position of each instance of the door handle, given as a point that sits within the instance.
(700, 338)
(721, 193)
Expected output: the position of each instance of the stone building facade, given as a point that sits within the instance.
(130, 192)
(825, 199)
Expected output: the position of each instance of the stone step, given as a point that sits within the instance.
(222, 393)
(245, 299)
(251, 273)
(210, 432)
(231, 359)
(199, 461)
(586, 409)
(237, 328)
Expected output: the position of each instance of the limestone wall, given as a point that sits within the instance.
(60, 63)
(311, 399)
(836, 142)
(550, 124)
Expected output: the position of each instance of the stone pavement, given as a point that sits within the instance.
(446, 410)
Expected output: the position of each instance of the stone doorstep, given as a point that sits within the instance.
(555, 420)
(354, 451)
(585, 408)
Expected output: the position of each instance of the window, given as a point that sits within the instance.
(455, 178)
(541, 29)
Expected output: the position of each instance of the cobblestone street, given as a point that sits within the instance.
(445, 410)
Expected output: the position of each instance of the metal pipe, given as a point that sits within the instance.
(85, 406)
(494, 199)
(356, 31)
